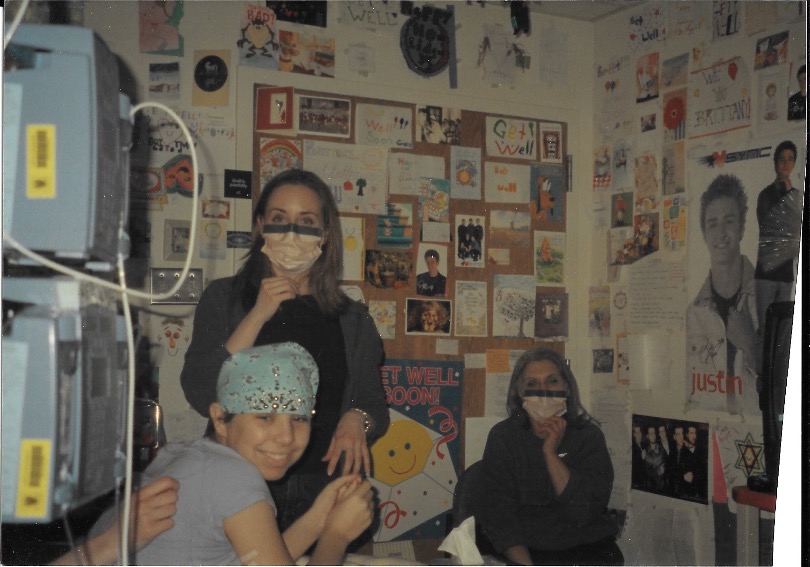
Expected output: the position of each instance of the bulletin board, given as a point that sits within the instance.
(407, 178)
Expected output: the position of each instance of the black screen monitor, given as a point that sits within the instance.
(775, 361)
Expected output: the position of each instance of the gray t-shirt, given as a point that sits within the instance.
(215, 483)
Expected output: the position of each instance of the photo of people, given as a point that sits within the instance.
(432, 282)
(797, 102)
(670, 457)
(388, 269)
(469, 241)
(428, 316)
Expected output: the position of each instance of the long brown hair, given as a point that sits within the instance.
(514, 401)
(324, 276)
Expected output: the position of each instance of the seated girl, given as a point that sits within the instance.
(547, 474)
(225, 512)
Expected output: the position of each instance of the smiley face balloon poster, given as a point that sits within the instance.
(416, 461)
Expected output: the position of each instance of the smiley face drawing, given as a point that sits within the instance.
(401, 453)
(414, 476)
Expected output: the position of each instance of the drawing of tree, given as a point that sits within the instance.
(517, 307)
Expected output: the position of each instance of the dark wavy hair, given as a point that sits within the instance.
(324, 276)
(575, 413)
(725, 185)
(786, 145)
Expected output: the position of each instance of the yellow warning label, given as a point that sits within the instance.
(34, 478)
(41, 161)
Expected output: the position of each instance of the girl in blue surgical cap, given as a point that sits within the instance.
(225, 512)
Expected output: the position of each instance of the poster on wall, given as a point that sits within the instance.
(549, 257)
(511, 137)
(306, 53)
(382, 125)
(426, 40)
(742, 454)
(428, 316)
(324, 116)
(719, 98)
(438, 125)
(513, 306)
(416, 461)
(547, 193)
(670, 457)
(258, 44)
(471, 247)
(465, 173)
(471, 312)
(277, 155)
(274, 108)
(158, 27)
(357, 175)
(506, 182)
(211, 78)
(731, 179)
(551, 317)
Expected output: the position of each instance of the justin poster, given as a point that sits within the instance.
(743, 240)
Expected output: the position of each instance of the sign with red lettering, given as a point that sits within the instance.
(512, 138)
(416, 461)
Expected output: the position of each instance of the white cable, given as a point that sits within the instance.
(121, 288)
(130, 421)
(15, 23)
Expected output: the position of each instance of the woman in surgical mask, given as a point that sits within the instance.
(288, 290)
(547, 474)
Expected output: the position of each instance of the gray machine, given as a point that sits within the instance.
(67, 133)
(64, 393)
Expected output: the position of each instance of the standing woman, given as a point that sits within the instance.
(288, 290)
(547, 474)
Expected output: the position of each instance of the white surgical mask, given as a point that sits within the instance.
(542, 404)
(291, 247)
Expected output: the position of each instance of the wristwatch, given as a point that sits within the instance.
(366, 419)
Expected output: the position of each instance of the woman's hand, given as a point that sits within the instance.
(350, 440)
(554, 429)
(152, 513)
(272, 291)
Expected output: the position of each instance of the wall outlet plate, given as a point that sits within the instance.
(163, 279)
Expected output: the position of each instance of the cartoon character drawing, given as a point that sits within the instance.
(258, 35)
(544, 207)
(545, 251)
(401, 453)
(174, 332)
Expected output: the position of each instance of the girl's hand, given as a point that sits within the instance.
(352, 513)
(334, 492)
(272, 292)
(349, 440)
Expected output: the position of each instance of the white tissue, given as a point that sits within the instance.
(460, 543)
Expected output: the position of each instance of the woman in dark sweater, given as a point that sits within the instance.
(547, 473)
(288, 290)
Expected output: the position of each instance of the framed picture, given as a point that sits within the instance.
(274, 108)
(176, 235)
(551, 143)
(428, 317)
(324, 116)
